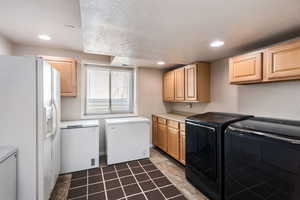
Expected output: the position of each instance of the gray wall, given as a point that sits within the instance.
(278, 99)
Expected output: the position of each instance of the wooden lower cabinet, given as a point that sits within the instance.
(162, 137)
(154, 131)
(169, 136)
(182, 148)
(173, 142)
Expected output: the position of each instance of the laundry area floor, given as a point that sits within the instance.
(157, 178)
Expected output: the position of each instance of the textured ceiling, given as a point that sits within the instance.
(178, 31)
(22, 21)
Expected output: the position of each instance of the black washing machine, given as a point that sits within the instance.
(262, 160)
(205, 151)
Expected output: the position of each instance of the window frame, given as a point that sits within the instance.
(83, 70)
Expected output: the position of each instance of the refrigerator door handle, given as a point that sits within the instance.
(55, 121)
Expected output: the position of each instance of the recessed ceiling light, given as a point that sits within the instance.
(160, 62)
(217, 43)
(44, 37)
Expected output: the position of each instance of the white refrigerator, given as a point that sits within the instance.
(29, 120)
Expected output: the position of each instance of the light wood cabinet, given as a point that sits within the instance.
(182, 143)
(168, 86)
(169, 136)
(197, 82)
(276, 63)
(283, 61)
(162, 137)
(68, 74)
(179, 84)
(246, 68)
(173, 142)
(173, 124)
(190, 83)
(154, 131)
(182, 148)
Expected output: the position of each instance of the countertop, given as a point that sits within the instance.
(180, 117)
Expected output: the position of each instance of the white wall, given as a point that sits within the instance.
(5, 46)
(278, 99)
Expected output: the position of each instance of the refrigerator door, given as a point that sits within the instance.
(47, 135)
(56, 113)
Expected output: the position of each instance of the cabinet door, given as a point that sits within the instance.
(190, 82)
(68, 76)
(283, 61)
(246, 68)
(162, 137)
(168, 82)
(154, 131)
(173, 142)
(182, 148)
(179, 84)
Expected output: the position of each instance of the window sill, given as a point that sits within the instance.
(106, 116)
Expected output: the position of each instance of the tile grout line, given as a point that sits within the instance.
(172, 183)
(137, 180)
(157, 177)
(116, 171)
(103, 181)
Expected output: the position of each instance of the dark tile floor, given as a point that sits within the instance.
(135, 180)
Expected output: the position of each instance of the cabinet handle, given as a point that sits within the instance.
(292, 141)
(202, 126)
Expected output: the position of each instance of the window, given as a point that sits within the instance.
(109, 90)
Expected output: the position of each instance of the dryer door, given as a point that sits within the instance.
(201, 149)
(260, 166)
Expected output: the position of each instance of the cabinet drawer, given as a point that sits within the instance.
(173, 124)
(161, 120)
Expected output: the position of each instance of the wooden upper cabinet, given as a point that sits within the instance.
(68, 74)
(246, 68)
(191, 82)
(283, 61)
(179, 84)
(169, 86)
(197, 82)
(276, 63)
(187, 84)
